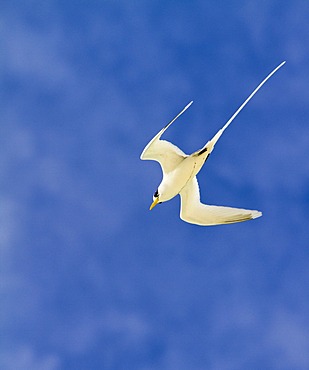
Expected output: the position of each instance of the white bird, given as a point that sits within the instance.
(179, 176)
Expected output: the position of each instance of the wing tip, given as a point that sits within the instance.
(142, 155)
(256, 214)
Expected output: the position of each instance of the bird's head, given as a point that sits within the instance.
(156, 199)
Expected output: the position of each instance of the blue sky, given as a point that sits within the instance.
(90, 279)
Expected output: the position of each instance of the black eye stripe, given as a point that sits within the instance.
(156, 194)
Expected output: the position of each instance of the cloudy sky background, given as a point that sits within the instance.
(90, 279)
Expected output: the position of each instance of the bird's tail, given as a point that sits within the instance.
(211, 143)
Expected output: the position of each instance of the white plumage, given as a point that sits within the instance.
(179, 176)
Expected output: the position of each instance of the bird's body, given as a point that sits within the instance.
(179, 176)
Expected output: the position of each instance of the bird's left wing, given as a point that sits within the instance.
(167, 154)
(195, 212)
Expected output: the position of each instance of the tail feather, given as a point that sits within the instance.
(211, 143)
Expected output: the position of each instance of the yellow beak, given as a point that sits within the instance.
(154, 203)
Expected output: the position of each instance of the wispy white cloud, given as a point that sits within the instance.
(25, 357)
(288, 337)
(33, 56)
(83, 94)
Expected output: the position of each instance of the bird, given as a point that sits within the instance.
(179, 172)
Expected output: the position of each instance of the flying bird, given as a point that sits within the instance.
(179, 176)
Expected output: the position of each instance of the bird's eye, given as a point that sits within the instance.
(156, 194)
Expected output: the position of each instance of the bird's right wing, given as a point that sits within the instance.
(195, 212)
(167, 154)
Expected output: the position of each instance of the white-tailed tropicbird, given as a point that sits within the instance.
(179, 176)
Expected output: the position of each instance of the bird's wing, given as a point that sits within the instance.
(167, 154)
(195, 212)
